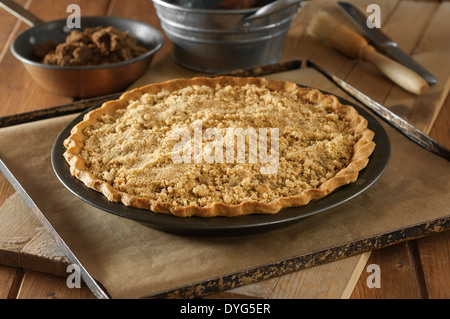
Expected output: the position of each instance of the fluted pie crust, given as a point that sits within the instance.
(125, 148)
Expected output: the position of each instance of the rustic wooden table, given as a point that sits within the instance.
(417, 268)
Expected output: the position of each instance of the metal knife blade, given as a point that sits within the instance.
(384, 44)
(407, 129)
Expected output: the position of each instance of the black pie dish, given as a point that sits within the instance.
(228, 226)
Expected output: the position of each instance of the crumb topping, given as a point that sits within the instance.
(133, 148)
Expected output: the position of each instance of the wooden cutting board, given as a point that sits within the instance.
(25, 243)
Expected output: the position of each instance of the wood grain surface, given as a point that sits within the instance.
(414, 269)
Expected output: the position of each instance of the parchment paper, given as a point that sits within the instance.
(133, 261)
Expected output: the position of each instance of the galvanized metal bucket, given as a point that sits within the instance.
(221, 40)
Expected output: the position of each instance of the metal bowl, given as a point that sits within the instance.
(86, 81)
(220, 40)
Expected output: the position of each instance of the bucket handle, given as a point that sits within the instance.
(267, 10)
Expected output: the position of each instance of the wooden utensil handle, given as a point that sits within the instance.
(20, 12)
(399, 74)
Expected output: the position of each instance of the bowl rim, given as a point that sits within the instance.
(150, 53)
(172, 6)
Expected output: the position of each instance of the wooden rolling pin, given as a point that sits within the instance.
(350, 43)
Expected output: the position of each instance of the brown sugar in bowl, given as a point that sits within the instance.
(92, 80)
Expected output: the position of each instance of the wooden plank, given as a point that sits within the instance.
(323, 281)
(10, 279)
(6, 190)
(36, 285)
(431, 51)
(42, 254)
(399, 27)
(398, 275)
(17, 227)
(25, 243)
(328, 281)
(434, 254)
(440, 130)
(7, 23)
(49, 10)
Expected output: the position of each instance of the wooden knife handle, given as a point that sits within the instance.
(397, 73)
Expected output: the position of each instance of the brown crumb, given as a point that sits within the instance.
(135, 145)
(41, 50)
(92, 46)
